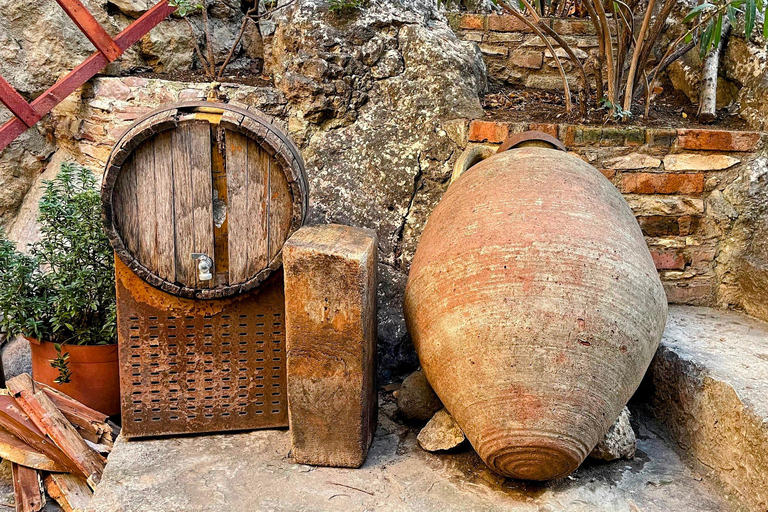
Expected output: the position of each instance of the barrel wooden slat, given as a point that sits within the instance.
(202, 193)
(144, 169)
(220, 217)
(183, 209)
(166, 265)
(280, 209)
(203, 178)
(258, 208)
(237, 193)
(127, 205)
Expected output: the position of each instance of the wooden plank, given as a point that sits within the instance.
(143, 164)
(16, 422)
(257, 215)
(85, 71)
(16, 104)
(126, 206)
(202, 192)
(237, 192)
(91, 28)
(220, 215)
(280, 208)
(70, 492)
(184, 242)
(52, 422)
(19, 452)
(27, 490)
(164, 216)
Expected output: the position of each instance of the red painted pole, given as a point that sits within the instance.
(81, 74)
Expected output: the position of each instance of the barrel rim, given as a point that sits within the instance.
(253, 124)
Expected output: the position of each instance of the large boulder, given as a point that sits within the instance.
(746, 64)
(371, 94)
(741, 211)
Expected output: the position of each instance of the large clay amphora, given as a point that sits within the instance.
(535, 308)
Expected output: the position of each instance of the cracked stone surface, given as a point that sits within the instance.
(708, 383)
(254, 471)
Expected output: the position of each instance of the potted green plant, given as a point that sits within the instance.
(61, 296)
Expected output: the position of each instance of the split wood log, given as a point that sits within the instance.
(708, 84)
(70, 492)
(19, 452)
(14, 420)
(90, 424)
(52, 422)
(27, 489)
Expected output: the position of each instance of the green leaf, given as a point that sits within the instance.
(765, 30)
(732, 15)
(749, 18)
(688, 37)
(696, 11)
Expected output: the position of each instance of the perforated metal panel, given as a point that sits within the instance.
(192, 366)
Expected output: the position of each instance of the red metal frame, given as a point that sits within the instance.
(27, 114)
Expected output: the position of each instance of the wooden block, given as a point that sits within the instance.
(27, 489)
(330, 318)
(52, 422)
(69, 491)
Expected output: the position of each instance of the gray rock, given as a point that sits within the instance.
(440, 433)
(367, 97)
(619, 442)
(416, 399)
(746, 64)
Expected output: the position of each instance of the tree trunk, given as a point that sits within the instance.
(708, 85)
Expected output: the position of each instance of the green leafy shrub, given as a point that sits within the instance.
(64, 290)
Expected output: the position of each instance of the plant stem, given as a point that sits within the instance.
(636, 55)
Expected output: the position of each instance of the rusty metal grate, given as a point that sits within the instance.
(187, 367)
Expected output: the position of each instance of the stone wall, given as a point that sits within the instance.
(514, 54)
(687, 188)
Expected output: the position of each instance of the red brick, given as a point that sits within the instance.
(573, 27)
(662, 183)
(702, 258)
(609, 173)
(692, 293)
(528, 60)
(717, 140)
(688, 224)
(550, 129)
(506, 23)
(488, 131)
(668, 260)
(659, 225)
(472, 22)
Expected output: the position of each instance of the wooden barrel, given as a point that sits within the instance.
(207, 179)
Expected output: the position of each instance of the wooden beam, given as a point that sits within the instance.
(69, 491)
(91, 28)
(85, 71)
(17, 104)
(52, 422)
(26, 489)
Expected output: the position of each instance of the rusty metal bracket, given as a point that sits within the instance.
(542, 139)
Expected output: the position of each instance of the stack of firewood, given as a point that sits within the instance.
(54, 443)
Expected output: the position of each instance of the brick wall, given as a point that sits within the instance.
(669, 177)
(514, 54)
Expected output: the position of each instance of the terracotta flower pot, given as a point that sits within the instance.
(95, 373)
(535, 308)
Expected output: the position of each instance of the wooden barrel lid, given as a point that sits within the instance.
(203, 178)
